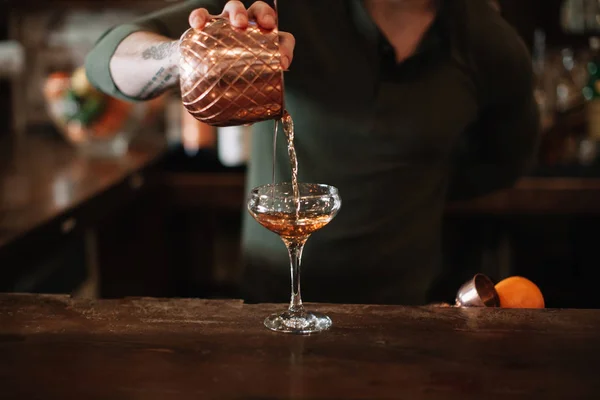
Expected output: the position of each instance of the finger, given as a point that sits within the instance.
(263, 14)
(237, 14)
(287, 43)
(198, 18)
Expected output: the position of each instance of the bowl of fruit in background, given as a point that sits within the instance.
(95, 123)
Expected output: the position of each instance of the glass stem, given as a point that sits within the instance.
(295, 248)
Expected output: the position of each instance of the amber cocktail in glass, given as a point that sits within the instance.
(295, 217)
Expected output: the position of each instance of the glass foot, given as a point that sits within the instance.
(302, 323)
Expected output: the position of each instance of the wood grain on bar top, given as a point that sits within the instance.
(55, 347)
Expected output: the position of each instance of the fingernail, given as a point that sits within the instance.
(196, 22)
(285, 62)
(268, 19)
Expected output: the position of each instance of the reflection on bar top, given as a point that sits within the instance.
(40, 178)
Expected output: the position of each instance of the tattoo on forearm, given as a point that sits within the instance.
(161, 86)
(158, 83)
(160, 51)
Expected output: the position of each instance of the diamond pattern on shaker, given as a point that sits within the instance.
(231, 76)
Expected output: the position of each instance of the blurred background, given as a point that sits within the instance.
(102, 198)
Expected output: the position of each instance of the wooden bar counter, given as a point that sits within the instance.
(45, 183)
(56, 347)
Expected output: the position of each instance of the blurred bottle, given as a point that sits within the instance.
(183, 130)
(572, 16)
(12, 60)
(234, 145)
(591, 91)
(196, 135)
(568, 92)
(199, 147)
(592, 15)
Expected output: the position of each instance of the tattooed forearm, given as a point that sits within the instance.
(163, 78)
(165, 82)
(145, 65)
(160, 51)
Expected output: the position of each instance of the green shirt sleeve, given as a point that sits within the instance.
(170, 22)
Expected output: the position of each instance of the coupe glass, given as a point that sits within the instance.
(276, 208)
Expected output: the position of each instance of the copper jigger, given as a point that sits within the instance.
(478, 292)
(231, 76)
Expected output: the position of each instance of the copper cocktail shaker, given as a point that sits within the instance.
(231, 76)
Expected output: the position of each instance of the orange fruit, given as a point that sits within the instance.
(519, 292)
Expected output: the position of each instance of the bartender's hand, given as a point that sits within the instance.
(238, 15)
